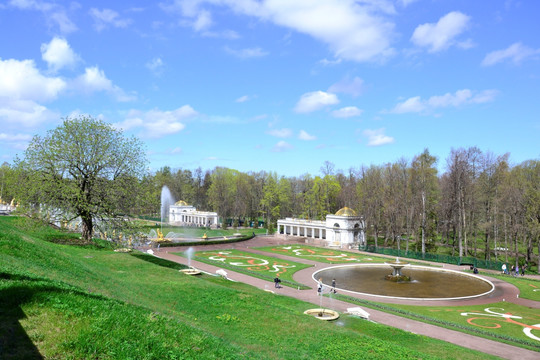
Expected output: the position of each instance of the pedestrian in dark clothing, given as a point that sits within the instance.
(277, 280)
(333, 286)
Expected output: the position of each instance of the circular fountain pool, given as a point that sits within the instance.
(426, 283)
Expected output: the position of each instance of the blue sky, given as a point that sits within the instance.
(277, 85)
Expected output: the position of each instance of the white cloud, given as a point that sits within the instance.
(377, 137)
(326, 62)
(413, 104)
(203, 21)
(282, 146)
(247, 53)
(155, 65)
(95, 80)
(22, 88)
(406, 3)
(352, 87)
(303, 135)
(353, 30)
(242, 99)
(15, 137)
(157, 123)
(26, 113)
(58, 54)
(281, 133)
(347, 112)
(107, 17)
(315, 100)
(22, 80)
(53, 13)
(460, 98)
(440, 36)
(515, 53)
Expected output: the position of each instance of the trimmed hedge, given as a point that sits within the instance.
(206, 242)
(448, 259)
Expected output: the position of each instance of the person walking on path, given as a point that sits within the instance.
(277, 280)
(333, 286)
(319, 287)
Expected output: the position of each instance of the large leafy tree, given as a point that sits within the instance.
(84, 168)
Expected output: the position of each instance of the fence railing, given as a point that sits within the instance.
(448, 259)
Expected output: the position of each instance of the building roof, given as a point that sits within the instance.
(346, 212)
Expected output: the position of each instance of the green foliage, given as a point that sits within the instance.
(83, 168)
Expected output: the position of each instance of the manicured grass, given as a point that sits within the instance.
(259, 266)
(197, 232)
(479, 320)
(528, 288)
(57, 321)
(69, 302)
(325, 255)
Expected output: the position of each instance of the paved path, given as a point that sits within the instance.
(504, 292)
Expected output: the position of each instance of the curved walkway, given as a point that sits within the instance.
(504, 292)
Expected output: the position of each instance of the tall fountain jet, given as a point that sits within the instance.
(166, 201)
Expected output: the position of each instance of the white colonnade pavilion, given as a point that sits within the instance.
(187, 215)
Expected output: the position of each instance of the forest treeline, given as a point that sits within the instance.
(481, 205)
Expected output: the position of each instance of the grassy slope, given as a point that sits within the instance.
(71, 302)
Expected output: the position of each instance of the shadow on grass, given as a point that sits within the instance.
(158, 261)
(15, 291)
(14, 341)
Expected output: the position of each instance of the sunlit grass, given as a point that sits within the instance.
(70, 302)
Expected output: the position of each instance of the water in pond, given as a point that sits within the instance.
(425, 282)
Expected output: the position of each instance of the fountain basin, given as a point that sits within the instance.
(426, 284)
(323, 314)
(190, 271)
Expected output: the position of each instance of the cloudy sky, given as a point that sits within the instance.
(277, 85)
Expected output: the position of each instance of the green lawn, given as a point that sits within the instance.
(196, 232)
(502, 321)
(260, 266)
(70, 302)
(528, 288)
(325, 255)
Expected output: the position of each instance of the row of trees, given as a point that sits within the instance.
(481, 205)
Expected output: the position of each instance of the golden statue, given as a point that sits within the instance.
(159, 235)
(12, 202)
(204, 236)
(130, 241)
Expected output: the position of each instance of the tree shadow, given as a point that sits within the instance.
(14, 341)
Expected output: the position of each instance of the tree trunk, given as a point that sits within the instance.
(538, 261)
(475, 245)
(487, 255)
(516, 248)
(505, 240)
(423, 223)
(87, 227)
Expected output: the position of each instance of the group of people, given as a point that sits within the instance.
(514, 270)
(320, 287)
